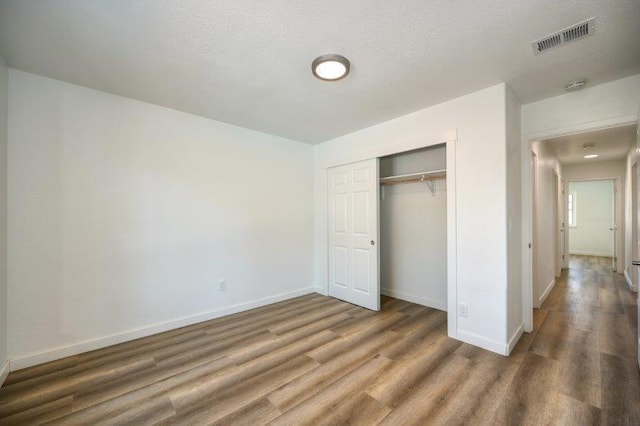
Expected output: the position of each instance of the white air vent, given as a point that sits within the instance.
(575, 32)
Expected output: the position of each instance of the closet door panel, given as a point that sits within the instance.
(353, 233)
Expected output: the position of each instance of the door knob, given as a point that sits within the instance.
(373, 243)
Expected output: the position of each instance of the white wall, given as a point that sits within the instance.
(604, 170)
(610, 104)
(544, 241)
(4, 94)
(477, 121)
(591, 234)
(123, 216)
(514, 222)
(413, 225)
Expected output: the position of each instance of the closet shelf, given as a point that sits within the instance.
(414, 177)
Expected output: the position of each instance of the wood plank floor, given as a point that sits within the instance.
(316, 360)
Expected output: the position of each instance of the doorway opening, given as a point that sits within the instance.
(354, 192)
(413, 226)
(566, 220)
(591, 215)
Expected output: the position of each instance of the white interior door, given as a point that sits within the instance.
(353, 233)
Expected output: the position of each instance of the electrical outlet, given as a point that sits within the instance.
(463, 310)
(222, 285)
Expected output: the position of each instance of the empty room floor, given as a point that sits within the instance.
(322, 361)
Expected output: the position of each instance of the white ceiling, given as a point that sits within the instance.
(610, 144)
(247, 62)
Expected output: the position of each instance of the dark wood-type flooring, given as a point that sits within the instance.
(316, 360)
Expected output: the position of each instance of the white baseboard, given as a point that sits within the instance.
(431, 303)
(320, 290)
(483, 342)
(4, 372)
(592, 253)
(36, 358)
(627, 278)
(546, 292)
(515, 338)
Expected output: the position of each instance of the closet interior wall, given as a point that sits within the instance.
(413, 226)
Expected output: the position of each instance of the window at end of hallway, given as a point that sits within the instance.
(571, 209)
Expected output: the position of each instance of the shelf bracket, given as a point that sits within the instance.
(430, 185)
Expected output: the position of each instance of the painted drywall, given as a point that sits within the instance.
(599, 170)
(514, 223)
(123, 216)
(600, 105)
(544, 241)
(477, 123)
(605, 105)
(591, 234)
(413, 227)
(4, 96)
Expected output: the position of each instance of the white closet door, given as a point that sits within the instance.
(353, 233)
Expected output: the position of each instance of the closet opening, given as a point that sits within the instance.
(413, 226)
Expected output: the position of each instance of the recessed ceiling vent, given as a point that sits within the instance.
(575, 32)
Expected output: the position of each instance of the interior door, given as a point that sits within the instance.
(614, 226)
(634, 222)
(564, 261)
(637, 206)
(353, 233)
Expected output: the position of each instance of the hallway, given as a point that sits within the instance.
(580, 362)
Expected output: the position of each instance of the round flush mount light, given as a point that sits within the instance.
(330, 67)
(575, 85)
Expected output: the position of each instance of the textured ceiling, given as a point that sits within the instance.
(610, 144)
(247, 62)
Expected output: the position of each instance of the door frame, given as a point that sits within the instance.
(632, 274)
(618, 214)
(452, 267)
(534, 225)
(527, 216)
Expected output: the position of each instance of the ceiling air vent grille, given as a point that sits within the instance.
(574, 32)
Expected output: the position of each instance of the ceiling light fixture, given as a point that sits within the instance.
(330, 67)
(591, 156)
(575, 85)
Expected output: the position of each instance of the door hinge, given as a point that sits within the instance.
(529, 245)
(563, 257)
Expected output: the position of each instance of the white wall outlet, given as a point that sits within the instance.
(463, 310)
(222, 285)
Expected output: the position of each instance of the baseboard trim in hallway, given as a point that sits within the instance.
(546, 292)
(632, 287)
(514, 339)
(4, 372)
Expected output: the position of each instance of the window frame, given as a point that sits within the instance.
(572, 217)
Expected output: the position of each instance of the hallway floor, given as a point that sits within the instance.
(580, 365)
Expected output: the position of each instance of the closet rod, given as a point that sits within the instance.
(414, 177)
